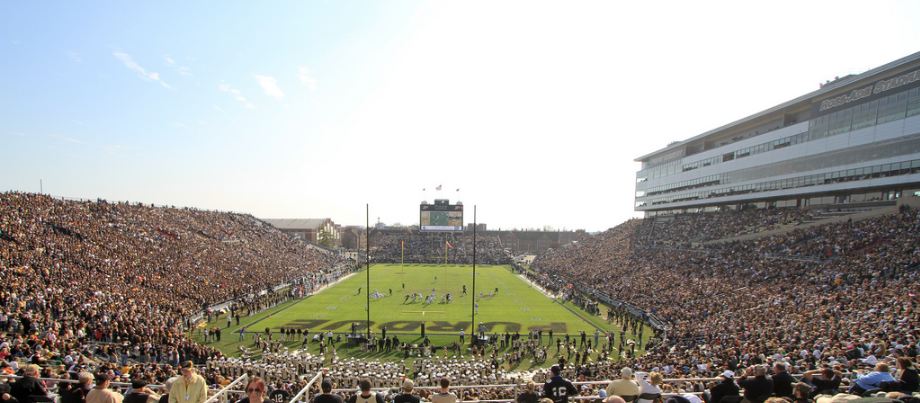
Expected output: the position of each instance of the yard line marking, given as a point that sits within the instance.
(423, 312)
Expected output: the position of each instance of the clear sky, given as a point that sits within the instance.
(534, 110)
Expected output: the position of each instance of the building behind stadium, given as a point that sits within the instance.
(854, 141)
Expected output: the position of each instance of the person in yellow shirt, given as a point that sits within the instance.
(101, 393)
(190, 388)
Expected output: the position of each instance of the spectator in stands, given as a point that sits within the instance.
(405, 393)
(5, 396)
(190, 388)
(167, 386)
(140, 393)
(801, 393)
(366, 395)
(625, 387)
(872, 380)
(907, 381)
(77, 393)
(256, 391)
(444, 394)
(782, 381)
(756, 384)
(101, 393)
(826, 381)
(649, 389)
(529, 395)
(29, 389)
(558, 388)
(726, 391)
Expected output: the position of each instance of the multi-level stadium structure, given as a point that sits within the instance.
(855, 140)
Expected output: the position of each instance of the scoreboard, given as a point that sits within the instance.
(441, 216)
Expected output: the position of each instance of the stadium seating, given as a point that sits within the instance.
(828, 294)
(118, 283)
(122, 280)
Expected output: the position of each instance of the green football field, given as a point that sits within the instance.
(506, 303)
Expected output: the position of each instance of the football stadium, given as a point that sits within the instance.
(772, 259)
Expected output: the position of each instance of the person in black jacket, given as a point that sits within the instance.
(558, 388)
(759, 388)
(907, 381)
(5, 396)
(405, 395)
(77, 393)
(29, 389)
(529, 395)
(140, 393)
(826, 381)
(726, 388)
(782, 381)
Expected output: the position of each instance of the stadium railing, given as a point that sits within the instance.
(221, 395)
(56, 381)
(305, 391)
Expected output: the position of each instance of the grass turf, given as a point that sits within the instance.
(515, 307)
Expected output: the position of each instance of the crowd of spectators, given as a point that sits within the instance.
(96, 280)
(114, 287)
(685, 229)
(838, 295)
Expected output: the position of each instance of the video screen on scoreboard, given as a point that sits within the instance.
(441, 217)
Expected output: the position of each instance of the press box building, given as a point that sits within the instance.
(855, 140)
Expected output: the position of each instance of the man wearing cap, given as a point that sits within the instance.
(405, 394)
(101, 393)
(190, 388)
(558, 388)
(327, 396)
(726, 388)
(140, 393)
(624, 387)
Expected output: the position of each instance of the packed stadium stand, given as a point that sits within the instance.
(118, 280)
(95, 283)
(831, 294)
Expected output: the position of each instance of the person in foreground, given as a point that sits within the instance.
(101, 393)
(190, 387)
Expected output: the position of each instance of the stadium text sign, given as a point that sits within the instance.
(870, 90)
